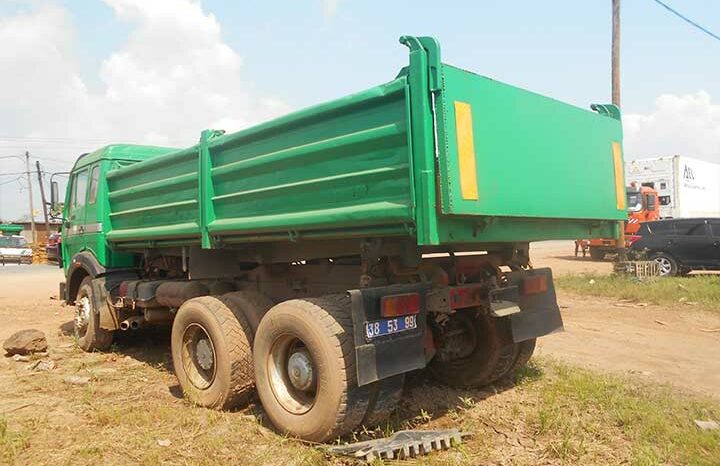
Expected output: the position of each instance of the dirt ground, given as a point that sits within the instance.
(666, 345)
(560, 256)
(653, 343)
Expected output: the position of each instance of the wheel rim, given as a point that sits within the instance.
(292, 374)
(198, 356)
(459, 339)
(82, 316)
(664, 264)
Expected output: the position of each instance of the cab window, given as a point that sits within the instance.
(92, 195)
(79, 189)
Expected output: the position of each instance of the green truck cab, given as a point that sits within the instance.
(319, 257)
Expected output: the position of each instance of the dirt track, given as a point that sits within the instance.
(598, 334)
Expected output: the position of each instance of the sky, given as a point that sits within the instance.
(78, 74)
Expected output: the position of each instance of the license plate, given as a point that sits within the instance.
(378, 328)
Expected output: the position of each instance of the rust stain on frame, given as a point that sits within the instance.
(619, 175)
(466, 151)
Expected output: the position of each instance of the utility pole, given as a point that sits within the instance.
(42, 197)
(615, 71)
(616, 52)
(29, 180)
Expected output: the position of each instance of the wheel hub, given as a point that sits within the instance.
(198, 356)
(664, 265)
(300, 370)
(292, 374)
(458, 339)
(204, 354)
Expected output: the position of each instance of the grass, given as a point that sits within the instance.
(701, 291)
(553, 414)
(584, 414)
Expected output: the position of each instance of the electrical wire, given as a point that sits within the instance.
(688, 20)
(11, 181)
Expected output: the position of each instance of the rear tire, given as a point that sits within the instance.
(596, 254)
(211, 353)
(385, 396)
(88, 334)
(483, 352)
(525, 350)
(305, 368)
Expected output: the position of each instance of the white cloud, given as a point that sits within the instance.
(172, 78)
(686, 125)
(329, 9)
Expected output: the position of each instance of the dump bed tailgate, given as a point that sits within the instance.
(507, 152)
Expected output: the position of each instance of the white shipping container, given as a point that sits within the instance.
(686, 187)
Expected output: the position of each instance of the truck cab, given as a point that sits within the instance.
(85, 214)
(642, 206)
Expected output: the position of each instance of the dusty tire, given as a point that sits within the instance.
(384, 398)
(525, 351)
(251, 303)
(88, 334)
(596, 254)
(312, 340)
(486, 354)
(212, 354)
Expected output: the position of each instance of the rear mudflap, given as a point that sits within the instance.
(384, 356)
(538, 313)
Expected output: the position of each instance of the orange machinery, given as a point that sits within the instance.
(642, 205)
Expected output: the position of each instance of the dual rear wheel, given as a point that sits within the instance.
(301, 361)
(476, 349)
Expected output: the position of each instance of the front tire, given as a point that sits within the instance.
(88, 334)
(305, 368)
(211, 353)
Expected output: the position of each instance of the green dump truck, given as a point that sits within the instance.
(319, 257)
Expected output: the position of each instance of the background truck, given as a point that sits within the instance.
(686, 187)
(319, 257)
(14, 247)
(642, 206)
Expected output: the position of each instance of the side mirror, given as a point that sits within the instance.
(54, 195)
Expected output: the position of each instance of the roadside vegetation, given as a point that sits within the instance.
(131, 413)
(700, 291)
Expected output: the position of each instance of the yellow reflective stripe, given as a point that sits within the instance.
(619, 175)
(466, 151)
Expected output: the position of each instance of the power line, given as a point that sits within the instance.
(688, 20)
(11, 181)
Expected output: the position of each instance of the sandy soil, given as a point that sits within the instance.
(667, 345)
(560, 256)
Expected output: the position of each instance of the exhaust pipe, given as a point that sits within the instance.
(133, 323)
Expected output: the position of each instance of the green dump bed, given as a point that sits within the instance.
(438, 153)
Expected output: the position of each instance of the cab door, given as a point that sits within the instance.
(74, 225)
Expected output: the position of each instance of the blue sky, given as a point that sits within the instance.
(556, 47)
(83, 73)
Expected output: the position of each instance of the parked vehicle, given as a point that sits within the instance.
(52, 248)
(679, 245)
(14, 249)
(686, 187)
(293, 255)
(642, 206)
